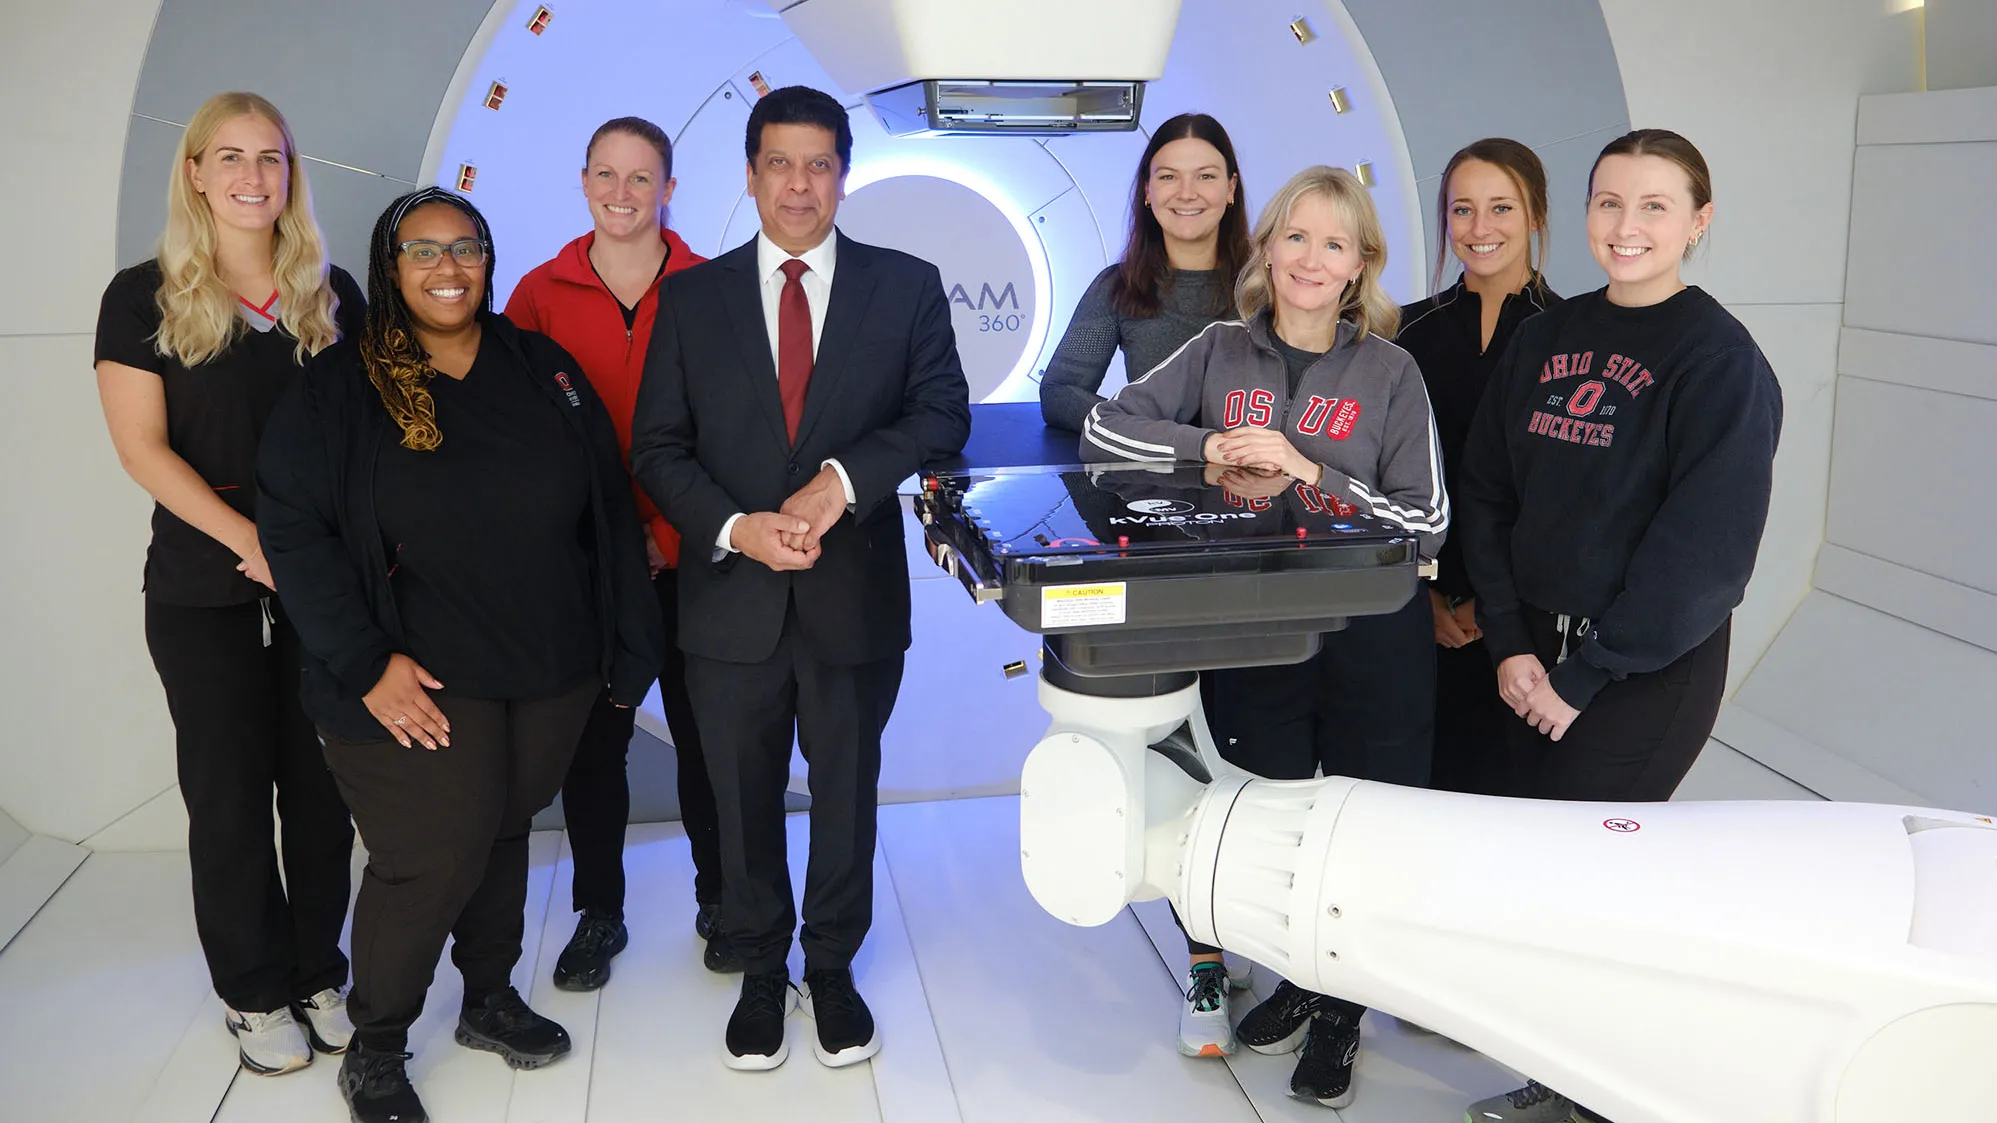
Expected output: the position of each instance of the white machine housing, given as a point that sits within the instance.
(1661, 963)
(871, 45)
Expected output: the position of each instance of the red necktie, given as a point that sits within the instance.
(793, 344)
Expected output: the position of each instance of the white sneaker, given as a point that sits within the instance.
(270, 1044)
(326, 1023)
(1204, 1030)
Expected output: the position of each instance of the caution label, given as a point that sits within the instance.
(1082, 606)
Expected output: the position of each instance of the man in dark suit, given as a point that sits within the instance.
(791, 384)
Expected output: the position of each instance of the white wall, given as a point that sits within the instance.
(1769, 92)
(1881, 684)
(85, 735)
(1962, 43)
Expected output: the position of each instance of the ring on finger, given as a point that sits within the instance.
(402, 721)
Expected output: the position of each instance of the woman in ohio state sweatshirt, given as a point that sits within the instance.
(1611, 500)
(597, 298)
(1613, 493)
(1305, 395)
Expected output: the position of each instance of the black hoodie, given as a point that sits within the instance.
(1618, 470)
(317, 523)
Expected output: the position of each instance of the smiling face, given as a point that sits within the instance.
(1640, 222)
(626, 185)
(445, 296)
(1313, 257)
(797, 180)
(1490, 229)
(244, 173)
(1189, 190)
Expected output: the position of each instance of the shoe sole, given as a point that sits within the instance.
(354, 1114)
(513, 1057)
(763, 1062)
(1342, 1100)
(1207, 1050)
(757, 1062)
(263, 1069)
(850, 1055)
(1288, 1044)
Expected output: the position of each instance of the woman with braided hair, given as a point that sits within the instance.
(445, 499)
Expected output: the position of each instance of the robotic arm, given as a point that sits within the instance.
(1664, 963)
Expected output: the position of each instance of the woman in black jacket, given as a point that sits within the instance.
(1491, 205)
(445, 503)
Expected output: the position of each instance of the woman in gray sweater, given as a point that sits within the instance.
(1188, 239)
(1305, 394)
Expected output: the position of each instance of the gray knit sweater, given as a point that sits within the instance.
(1075, 373)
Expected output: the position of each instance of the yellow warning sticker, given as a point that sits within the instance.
(1082, 606)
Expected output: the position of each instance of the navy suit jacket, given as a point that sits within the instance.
(887, 395)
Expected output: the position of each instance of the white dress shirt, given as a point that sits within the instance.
(819, 262)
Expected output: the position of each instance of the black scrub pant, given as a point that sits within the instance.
(231, 681)
(596, 796)
(748, 713)
(1363, 706)
(446, 835)
(1638, 737)
(1473, 751)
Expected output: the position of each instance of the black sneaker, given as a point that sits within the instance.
(1278, 1024)
(756, 1028)
(1324, 1067)
(707, 921)
(376, 1087)
(720, 956)
(846, 1034)
(503, 1024)
(585, 963)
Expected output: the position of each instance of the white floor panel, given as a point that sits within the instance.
(97, 991)
(1039, 1021)
(1722, 772)
(198, 1074)
(560, 1092)
(29, 876)
(660, 1021)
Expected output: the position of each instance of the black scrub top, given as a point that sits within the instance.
(485, 537)
(1445, 335)
(215, 416)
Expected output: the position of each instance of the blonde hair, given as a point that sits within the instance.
(1365, 302)
(198, 319)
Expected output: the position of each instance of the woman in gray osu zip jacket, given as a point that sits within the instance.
(1305, 393)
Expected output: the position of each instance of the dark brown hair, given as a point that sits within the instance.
(1672, 147)
(1527, 174)
(635, 126)
(1144, 274)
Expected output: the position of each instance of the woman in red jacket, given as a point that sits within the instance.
(597, 298)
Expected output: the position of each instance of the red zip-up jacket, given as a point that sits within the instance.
(564, 299)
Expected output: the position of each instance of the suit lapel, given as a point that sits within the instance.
(852, 288)
(742, 299)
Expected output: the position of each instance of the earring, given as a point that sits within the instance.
(1695, 242)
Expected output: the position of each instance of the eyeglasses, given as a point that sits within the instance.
(427, 254)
